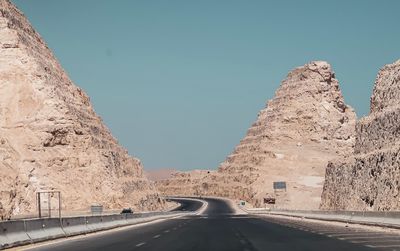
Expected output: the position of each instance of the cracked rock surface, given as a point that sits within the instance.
(369, 178)
(50, 136)
(304, 126)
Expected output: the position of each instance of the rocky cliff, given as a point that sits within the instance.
(304, 126)
(50, 136)
(190, 183)
(369, 178)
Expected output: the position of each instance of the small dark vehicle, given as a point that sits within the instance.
(127, 211)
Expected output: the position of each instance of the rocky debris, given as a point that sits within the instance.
(50, 136)
(368, 179)
(304, 126)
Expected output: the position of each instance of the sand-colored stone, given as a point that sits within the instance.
(50, 136)
(369, 179)
(159, 174)
(304, 126)
(189, 183)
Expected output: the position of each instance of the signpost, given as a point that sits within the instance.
(96, 209)
(44, 205)
(279, 185)
(270, 201)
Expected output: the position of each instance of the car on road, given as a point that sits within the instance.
(127, 211)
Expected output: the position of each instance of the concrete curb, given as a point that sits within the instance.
(13, 232)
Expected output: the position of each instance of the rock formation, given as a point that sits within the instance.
(304, 126)
(369, 178)
(50, 136)
(159, 174)
(191, 183)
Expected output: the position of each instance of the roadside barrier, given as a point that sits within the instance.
(373, 218)
(12, 233)
(112, 221)
(21, 232)
(74, 226)
(95, 223)
(43, 229)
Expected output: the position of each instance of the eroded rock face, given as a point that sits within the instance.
(191, 183)
(369, 178)
(304, 126)
(50, 136)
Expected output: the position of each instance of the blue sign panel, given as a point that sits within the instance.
(280, 185)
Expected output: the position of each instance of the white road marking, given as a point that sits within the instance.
(384, 246)
(397, 241)
(352, 235)
(166, 231)
(340, 232)
(363, 238)
(156, 236)
(140, 244)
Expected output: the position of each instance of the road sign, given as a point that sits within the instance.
(280, 185)
(269, 201)
(96, 209)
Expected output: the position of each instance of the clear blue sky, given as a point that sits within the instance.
(179, 82)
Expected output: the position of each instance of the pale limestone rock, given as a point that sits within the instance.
(50, 136)
(369, 179)
(190, 183)
(304, 126)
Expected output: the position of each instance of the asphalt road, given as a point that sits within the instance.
(219, 229)
(187, 205)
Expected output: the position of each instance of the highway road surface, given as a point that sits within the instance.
(218, 228)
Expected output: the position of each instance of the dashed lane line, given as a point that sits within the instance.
(141, 244)
(166, 231)
(156, 236)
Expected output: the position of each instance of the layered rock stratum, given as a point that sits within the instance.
(304, 126)
(189, 183)
(369, 178)
(50, 136)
